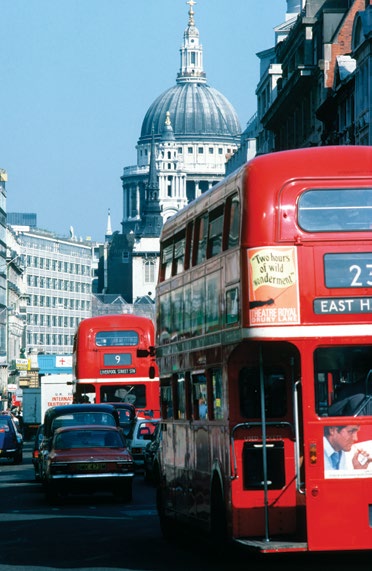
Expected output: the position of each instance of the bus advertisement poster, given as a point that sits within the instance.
(273, 286)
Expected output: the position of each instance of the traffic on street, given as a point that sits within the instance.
(98, 532)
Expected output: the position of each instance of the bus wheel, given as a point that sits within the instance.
(168, 526)
(218, 525)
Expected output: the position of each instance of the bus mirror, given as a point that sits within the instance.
(146, 353)
(142, 353)
(152, 372)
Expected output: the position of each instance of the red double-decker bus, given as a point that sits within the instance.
(114, 361)
(264, 346)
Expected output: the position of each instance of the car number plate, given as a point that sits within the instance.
(90, 467)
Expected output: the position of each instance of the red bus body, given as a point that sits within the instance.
(114, 361)
(264, 313)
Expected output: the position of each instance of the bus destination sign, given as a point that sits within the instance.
(342, 305)
(128, 371)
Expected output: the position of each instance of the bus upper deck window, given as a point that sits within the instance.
(201, 233)
(117, 338)
(233, 208)
(179, 255)
(342, 209)
(215, 232)
(167, 260)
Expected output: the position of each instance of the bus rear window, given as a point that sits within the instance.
(117, 339)
(324, 210)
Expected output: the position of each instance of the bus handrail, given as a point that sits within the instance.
(299, 486)
(248, 425)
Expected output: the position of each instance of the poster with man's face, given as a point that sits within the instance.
(346, 455)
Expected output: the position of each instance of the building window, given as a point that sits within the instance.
(149, 271)
(200, 150)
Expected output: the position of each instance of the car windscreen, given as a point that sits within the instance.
(78, 418)
(88, 439)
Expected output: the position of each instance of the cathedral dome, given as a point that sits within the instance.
(195, 110)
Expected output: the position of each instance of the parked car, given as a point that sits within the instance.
(11, 440)
(127, 416)
(73, 415)
(142, 434)
(89, 459)
(151, 456)
(36, 452)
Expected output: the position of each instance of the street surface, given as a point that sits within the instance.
(97, 533)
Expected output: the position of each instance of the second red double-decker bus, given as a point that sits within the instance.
(264, 345)
(114, 361)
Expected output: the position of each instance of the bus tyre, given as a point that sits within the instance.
(156, 474)
(218, 524)
(168, 526)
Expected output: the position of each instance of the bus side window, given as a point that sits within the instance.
(181, 395)
(166, 399)
(188, 244)
(166, 261)
(200, 244)
(188, 396)
(179, 254)
(199, 397)
(217, 390)
(232, 306)
(215, 232)
(231, 233)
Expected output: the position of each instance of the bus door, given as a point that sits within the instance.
(265, 441)
(338, 449)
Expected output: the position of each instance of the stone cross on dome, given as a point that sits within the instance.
(191, 12)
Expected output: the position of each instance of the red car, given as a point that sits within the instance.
(89, 459)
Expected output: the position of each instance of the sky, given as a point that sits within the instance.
(77, 78)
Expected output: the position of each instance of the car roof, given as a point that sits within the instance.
(55, 411)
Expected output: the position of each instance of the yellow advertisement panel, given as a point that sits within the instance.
(273, 286)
